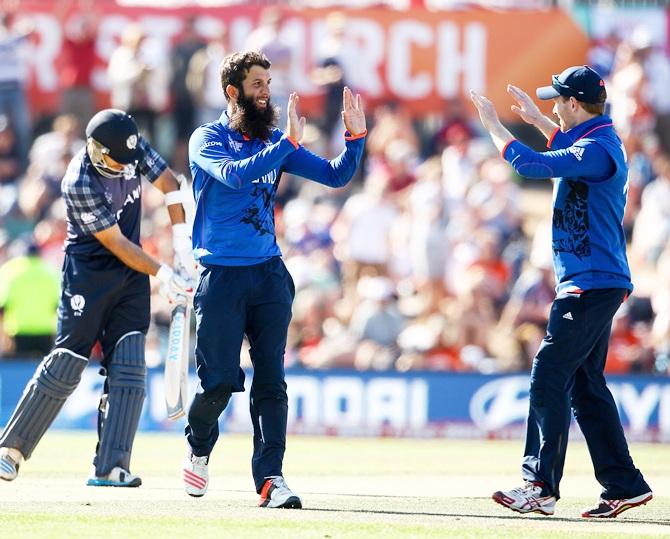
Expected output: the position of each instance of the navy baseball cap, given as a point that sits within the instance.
(581, 82)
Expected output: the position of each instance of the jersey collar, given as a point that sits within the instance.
(579, 131)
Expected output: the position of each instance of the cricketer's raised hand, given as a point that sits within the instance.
(525, 107)
(486, 109)
(353, 115)
(295, 125)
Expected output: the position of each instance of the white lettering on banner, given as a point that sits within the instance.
(386, 402)
(664, 411)
(44, 53)
(294, 33)
(240, 28)
(350, 401)
(304, 398)
(342, 401)
(368, 38)
(403, 36)
(378, 54)
(451, 62)
(637, 407)
(418, 403)
(354, 404)
(500, 402)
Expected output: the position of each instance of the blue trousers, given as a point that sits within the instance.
(567, 373)
(231, 302)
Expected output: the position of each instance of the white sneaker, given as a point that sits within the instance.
(195, 475)
(526, 499)
(118, 477)
(275, 493)
(10, 460)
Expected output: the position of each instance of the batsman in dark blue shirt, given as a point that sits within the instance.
(244, 288)
(587, 162)
(105, 296)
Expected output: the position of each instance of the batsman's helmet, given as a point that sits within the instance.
(114, 133)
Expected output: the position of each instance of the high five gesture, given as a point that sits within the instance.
(352, 112)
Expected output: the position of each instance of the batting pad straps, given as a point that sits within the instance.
(54, 380)
(176, 197)
(126, 379)
(127, 367)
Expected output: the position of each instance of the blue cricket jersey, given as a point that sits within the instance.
(235, 181)
(588, 164)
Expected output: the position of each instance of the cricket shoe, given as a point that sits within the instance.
(118, 477)
(195, 475)
(10, 460)
(526, 499)
(275, 493)
(612, 508)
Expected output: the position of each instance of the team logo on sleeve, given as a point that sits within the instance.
(131, 142)
(87, 217)
(77, 303)
(577, 152)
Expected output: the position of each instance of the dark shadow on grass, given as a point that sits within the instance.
(594, 522)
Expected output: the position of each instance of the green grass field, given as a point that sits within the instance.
(355, 488)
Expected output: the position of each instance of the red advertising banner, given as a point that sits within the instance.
(415, 57)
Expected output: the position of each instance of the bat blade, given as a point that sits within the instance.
(176, 362)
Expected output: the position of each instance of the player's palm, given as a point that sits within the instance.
(525, 107)
(295, 125)
(352, 112)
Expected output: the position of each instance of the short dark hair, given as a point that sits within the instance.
(596, 109)
(235, 67)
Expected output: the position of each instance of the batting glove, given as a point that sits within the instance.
(176, 289)
(183, 250)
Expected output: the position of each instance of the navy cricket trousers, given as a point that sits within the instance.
(231, 302)
(101, 299)
(567, 373)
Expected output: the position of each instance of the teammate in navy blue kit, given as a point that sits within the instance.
(588, 163)
(244, 287)
(105, 296)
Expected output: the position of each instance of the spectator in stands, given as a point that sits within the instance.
(362, 232)
(9, 152)
(629, 348)
(376, 322)
(184, 110)
(137, 76)
(77, 61)
(13, 101)
(29, 295)
(203, 78)
(526, 313)
(268, 39)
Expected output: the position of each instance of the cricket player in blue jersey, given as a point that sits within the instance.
(588, 163)
(244, 287)
(105, 296)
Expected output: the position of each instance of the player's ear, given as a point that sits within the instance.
(232, 92)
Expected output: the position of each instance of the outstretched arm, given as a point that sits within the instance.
(489, 117)
(529, 112)
(336, 172)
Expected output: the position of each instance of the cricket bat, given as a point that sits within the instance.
(176, 361)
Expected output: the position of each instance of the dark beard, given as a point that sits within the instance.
(248, 119)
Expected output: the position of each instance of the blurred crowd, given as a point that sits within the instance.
(436, 257)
